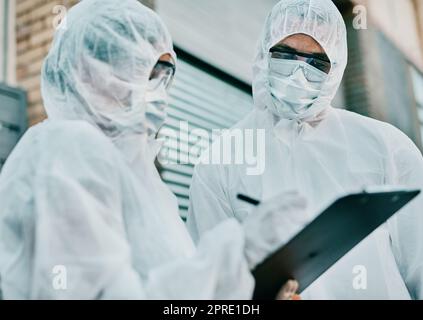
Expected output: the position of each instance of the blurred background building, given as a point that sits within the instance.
(215, 41)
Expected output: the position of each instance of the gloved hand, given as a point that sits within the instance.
(289, 291)
(273, 224)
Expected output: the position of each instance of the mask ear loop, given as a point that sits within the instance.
(269, 59)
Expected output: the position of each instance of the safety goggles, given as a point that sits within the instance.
(285, 53)
(162, 74)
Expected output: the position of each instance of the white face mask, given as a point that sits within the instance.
(157, 102)
(293, 86)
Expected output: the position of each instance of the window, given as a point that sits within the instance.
(12, 120)
(206, 99)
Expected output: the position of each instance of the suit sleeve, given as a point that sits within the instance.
(407, 227)
(209, 205)
(81, 250)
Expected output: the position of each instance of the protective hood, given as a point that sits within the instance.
(319, 19)
(100, 62)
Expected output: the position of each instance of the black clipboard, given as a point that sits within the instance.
(326, 240)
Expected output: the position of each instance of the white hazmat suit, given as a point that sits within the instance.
(84, 213)
(323, 153)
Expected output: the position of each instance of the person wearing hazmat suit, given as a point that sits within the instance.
(84, 213)
(321, 152)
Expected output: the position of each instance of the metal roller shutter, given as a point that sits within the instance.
(207, 102)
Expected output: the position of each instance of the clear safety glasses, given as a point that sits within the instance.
(162, 74)
(284, 53)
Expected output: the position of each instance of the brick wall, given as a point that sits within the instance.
(377, 81)
(34, 33)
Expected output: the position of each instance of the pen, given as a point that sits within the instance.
(248, 200)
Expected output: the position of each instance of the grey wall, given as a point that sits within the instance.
(221, 32)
